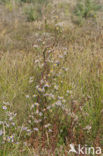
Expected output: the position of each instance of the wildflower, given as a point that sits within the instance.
(68, 91)
(36, 61)
(73, 115)
(56, 87)
(36, 121)
(40, 113)
(57, 62)
(35, 46)
(48, 107)
(35, 129)
(46, 94)
(11, 118)
(25, 143)
(42, 81)
(64, 101)
(28, 130)
(50, 130)
(29, 121)
(13, 123)
(81, 108)
(49, 61)
(65, 69)
(43, 43)
(37, 111)
(44, 110)
(49, 51)
(36, 104)
(10, 138)
(27, 96)
(46, 126)
(31, 79)
(51, 95)
(86, 114)
(65, 53)
(24, 128)
(64, 48)
(7, 125)
(40, 89)
(46, 85)
(59, 24)
(60, 56)
(16, 143)
(39, 40)
(58, 103)
(88, 127)
(4, 107)
(15, 114)
(34, 95)
(76, 118)
(32, 106)
(60, 97)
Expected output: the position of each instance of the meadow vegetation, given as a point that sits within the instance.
(51, 76)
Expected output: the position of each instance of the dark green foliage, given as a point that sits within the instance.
(3, 1)
(31, 13)
(86, 8)
(35, 10)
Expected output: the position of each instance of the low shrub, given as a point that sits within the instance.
(85, 9)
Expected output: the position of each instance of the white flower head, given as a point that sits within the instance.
(35, 129)
(36, 104)
(88, 127)
(50, 130)
(10, 138)
(47, 85)
(68, 91)
(11, 118)
(58, 103)
(31, 80)
(37, 61)
(56, 87)
(4, 107)
(27, 96)
(34, 95)
(36, 121)
(48, 125)
(35, 46)
(37, 111)
(40, 114)
(49, 107)
(60, 97)
(32, 106)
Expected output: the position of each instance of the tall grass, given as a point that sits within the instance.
(68, 87)
(51, 88)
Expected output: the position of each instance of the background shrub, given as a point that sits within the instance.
(86, 8)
